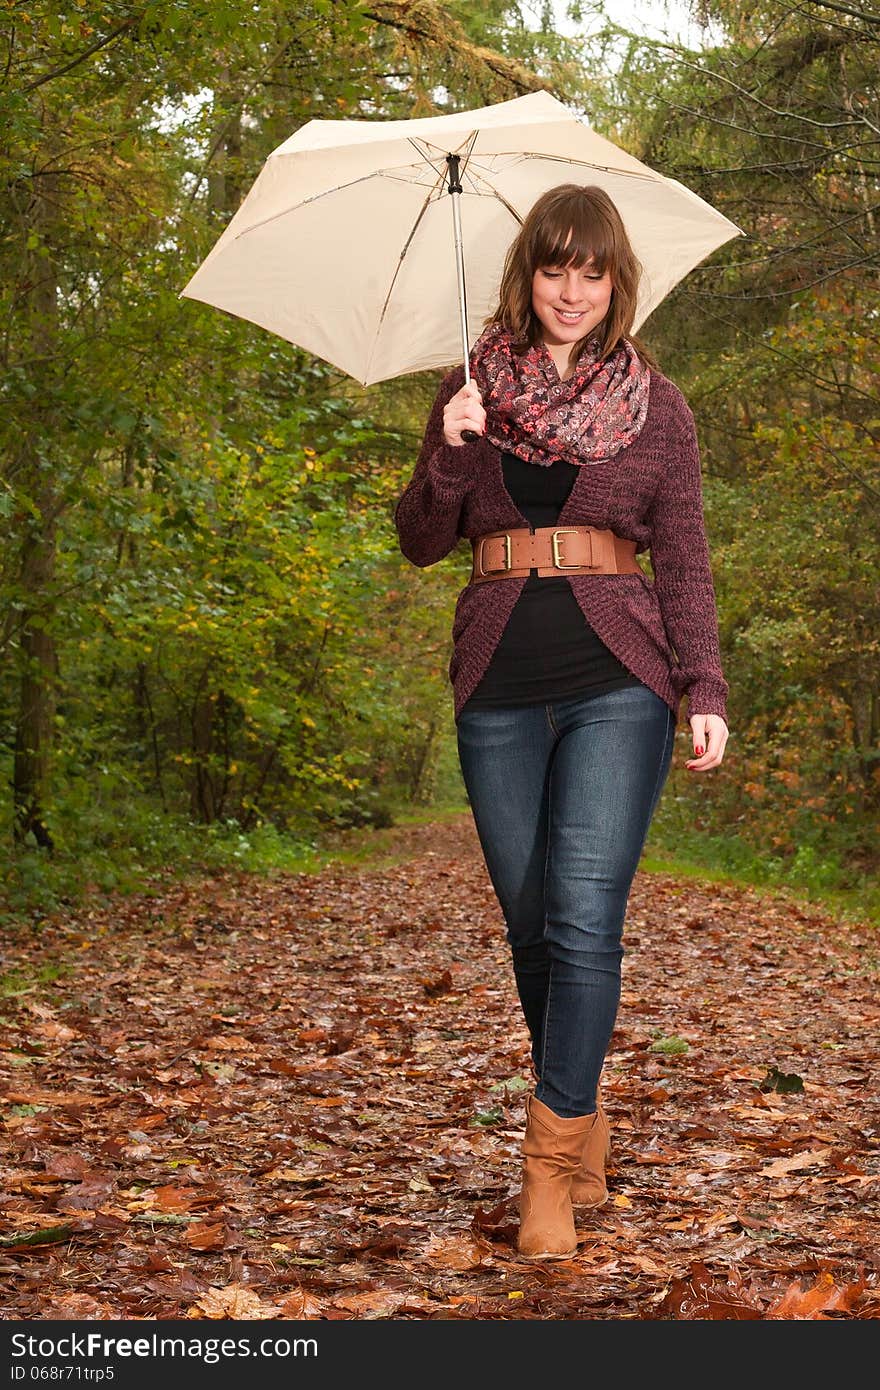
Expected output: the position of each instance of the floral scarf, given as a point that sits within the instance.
(531, 412)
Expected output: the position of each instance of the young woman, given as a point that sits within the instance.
(568, 661)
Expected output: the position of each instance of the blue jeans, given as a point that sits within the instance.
(562, 796)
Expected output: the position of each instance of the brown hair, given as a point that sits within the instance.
(597, 231)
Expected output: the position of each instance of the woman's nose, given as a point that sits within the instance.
(570, 289)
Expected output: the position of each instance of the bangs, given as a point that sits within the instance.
(570, 227)
(591, 237)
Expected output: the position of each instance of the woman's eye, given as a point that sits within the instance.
(555, 274)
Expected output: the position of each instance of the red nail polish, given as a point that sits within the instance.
(700, 751)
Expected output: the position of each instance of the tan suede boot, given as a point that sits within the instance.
(588, 1184)
(552, 1150)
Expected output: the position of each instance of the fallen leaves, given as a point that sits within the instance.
(67, 1165)
(442, 985)
(214, 1126)
(454, 1252)
(300, 1305)
(48, 1099)
(702, 1295)
(818, 1300)
(203, 1235)
(796, 1163)
(234, 1301)
(371, 1303)
(79, 1307)
(88, 1195)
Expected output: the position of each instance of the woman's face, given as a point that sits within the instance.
(569, 303)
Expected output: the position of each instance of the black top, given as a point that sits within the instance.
(548, 650)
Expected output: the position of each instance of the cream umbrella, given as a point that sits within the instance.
(342, 244)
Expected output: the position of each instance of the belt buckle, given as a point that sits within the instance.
(554, 546)
(507, 553)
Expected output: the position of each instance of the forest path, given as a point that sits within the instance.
(302, 1096)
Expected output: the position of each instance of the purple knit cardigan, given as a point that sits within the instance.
(665, 630)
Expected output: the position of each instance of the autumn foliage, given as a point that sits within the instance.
(235, 1098)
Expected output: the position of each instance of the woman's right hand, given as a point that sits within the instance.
(463, 411)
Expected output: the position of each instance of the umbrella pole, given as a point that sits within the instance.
(452, 162)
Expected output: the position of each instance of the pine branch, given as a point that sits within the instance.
(432, 31)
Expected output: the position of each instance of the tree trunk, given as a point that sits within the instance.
(36, 706)
(203, 800)
(225, 194)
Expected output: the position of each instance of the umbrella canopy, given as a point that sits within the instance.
(344, 244)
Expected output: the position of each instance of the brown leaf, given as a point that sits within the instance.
(496, 1224)
(647, 1265)
(139, 1150)
(229, 1042)
(146, 1122)
(807, 1159)
(300, 1305)
(699, 1296)
(390, 1241)
(79, 1307)
(372, 1302)
(202, 1235)
(179, 1289)
(88, 1195)
(234, 1301)
(55, 1032)
(67, 1165)
(171, 1198)
(60, 1098)
(315, 1178)
(825, 1296)
(454, 1252)
(492, 1219)
(442, 985)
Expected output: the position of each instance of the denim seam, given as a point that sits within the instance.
(546, 1020)
(549, 709)
(655, 792)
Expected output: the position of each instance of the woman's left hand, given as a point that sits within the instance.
(710, 735)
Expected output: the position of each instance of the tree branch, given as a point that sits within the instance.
(434, 29)
(751, 296)
(81, 58)
(845, 9)
(746, 130)
(774, 110)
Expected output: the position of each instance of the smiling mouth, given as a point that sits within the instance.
(570, 316)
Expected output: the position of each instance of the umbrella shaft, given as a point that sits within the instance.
(455, 193)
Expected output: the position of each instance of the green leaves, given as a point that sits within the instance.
(787, 1083)
(512, 1086)
(488, 1118)
(671, 1046)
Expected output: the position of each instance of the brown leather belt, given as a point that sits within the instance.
(551, 550)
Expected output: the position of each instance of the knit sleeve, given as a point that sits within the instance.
(682, 569)
(427, 513)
